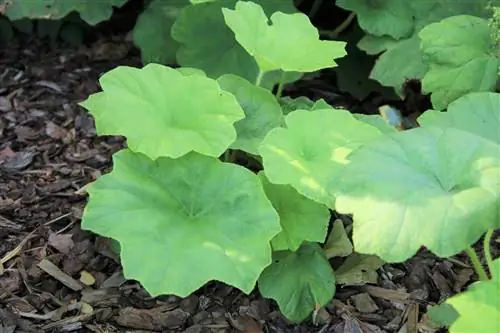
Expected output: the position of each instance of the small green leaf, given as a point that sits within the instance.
(262, 112)
(152, 32)
(374, 45)
(291, 43)
(382, 17)
(302, 103)
(289, 104)
(300, 282)
(479, 307)
(155, 109)
(312, 150)
(174, 222)
(475, 112)
(398, 63)
(376, 121)
(358, 269)
(338, 243)
(461, 60)
(419, 187)
(443, 314)
(301, 219)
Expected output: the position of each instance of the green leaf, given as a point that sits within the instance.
(262, 112)
(376, 121)
(358, 269)
(461, 60)
(155, 109)
(206, 42)
(312, 150)
(419, 187)
(175, 221)
(289, 104)
(90, 11)
(479, 307)
(291, 43)
(338, 243)
(443, 314)
(301, 219)
(152, 32)
(400, 62)
(376, 44)
(382, 17)
(354, 69)
(300, 282)
(475, 112)
(390, 69)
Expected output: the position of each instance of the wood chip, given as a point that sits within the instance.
(51, 269)
(388, 294)
(364, 303)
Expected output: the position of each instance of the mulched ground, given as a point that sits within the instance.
(49, 151)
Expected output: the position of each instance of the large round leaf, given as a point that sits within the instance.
(311, 151)
(183, 222)
(290, 43)
(262, 112)
(478, 113)
(206, 42)
(152, 32)
(300, 282)
(461, 60)
(91, 11)
(155, 109)
(301, 218)
(427, 186)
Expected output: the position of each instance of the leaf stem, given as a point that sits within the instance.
(477, 264)
(487, 250)
(315, 7)
(258, 80)
(280, 85)
(336, 32)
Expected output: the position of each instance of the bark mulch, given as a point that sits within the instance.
(54, 277)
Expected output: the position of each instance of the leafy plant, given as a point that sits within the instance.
(181, 196)
(404, 33)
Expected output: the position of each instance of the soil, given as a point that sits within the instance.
(54, 277)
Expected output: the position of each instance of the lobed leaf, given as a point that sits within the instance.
(477, 113)
(358, 269)
(152, 32)
(481, 300)
(206, 42)
(390, 69)
(179, 214)
(313, 149)
(382, 17)
(291, 43)
(430, 187)
(262, 112)
(155, 109)
(90, 11)
(301, 219)
(463, 59)
(306, 281)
